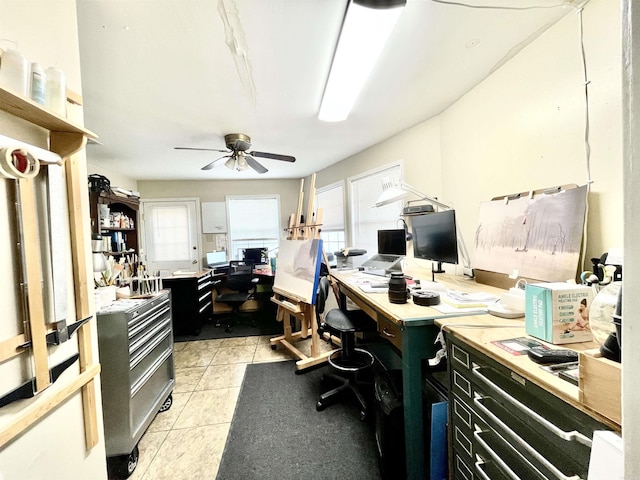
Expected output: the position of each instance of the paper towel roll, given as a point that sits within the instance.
(17, 162)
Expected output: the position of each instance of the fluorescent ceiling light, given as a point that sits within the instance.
(363, 36)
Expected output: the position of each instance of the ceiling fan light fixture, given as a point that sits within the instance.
(365, 31)
(231, 163)
(242, 162)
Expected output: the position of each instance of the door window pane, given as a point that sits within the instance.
(170, 233)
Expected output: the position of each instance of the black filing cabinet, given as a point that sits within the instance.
(192, 300)
(503, 426)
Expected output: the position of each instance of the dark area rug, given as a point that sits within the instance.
(276, 432)
(265, 325)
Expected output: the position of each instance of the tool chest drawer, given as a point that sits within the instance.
(503, 426)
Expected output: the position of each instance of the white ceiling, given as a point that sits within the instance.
(163, 73)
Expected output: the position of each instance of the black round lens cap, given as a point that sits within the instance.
(426, 299)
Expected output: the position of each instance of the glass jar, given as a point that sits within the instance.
(397, 288)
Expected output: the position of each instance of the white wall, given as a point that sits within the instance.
(116, 179)
(54, 447)
(216, 190)
(523, 127)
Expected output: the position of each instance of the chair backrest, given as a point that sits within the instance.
(321, 298)
(240, 275)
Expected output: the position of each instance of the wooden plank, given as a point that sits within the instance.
(27, 109)
(33, 278)
(600, 385)
(9, 348)
(313, 361)
(66, 144)
(78, 214)
(33, 412)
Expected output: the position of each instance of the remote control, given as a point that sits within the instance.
(545, 355)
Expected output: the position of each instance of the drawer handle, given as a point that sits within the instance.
(388, 333)
(135, 388)
(479, 464)
(568, 436)
(139, 356)
(534, 453)
(494, 456)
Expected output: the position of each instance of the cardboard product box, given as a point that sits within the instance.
(558, 312)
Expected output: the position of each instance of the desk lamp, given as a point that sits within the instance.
(396, 190)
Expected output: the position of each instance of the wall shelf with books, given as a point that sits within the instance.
(115, 218)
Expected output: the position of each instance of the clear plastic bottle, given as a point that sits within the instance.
(38, 83)
(14, 72)
(56, 91)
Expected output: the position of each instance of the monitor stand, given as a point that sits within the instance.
(435, 270)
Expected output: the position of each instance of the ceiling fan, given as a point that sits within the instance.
(238, 155)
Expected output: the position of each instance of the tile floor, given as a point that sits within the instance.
(187, 441)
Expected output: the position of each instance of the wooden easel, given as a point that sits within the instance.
(290, 305)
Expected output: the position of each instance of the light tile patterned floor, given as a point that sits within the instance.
(187, 441)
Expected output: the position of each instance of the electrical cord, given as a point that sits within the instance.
(587, 146)
(499, 7)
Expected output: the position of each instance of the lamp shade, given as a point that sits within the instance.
(390, 195)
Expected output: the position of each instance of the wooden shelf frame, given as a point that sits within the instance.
(65, 138)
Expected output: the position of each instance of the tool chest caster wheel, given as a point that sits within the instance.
(122, 466)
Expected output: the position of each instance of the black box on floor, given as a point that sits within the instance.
(390, 424)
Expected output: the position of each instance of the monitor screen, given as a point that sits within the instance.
(392, 242)
(254, 254)
(434, 236)
(217, 258)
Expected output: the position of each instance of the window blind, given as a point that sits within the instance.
(366, 219)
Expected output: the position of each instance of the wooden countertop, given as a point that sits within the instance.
(481, 330)
(405, 313)
(176, 275)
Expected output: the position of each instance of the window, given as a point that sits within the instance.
(254, 221)
(366, 219)
(331, 200)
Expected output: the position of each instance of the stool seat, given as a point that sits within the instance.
(360, 359)
(349, 361)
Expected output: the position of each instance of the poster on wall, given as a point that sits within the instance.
(536, 237)
(298, 268)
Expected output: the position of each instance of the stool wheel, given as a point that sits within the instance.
(319, 407)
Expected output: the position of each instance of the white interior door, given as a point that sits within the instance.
(171, 235)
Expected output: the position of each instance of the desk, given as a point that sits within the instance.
(413, 330)
(191, 299)
(263, 291)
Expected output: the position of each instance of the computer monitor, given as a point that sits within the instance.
(435, 237)
(392, 242)
(256, 255)
(215, 259)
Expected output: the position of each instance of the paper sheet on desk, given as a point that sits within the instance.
(446, 308)
(371, 285)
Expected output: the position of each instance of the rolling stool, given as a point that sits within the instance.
(349, 360)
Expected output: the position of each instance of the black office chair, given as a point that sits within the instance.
(349, 361)
(239, 279)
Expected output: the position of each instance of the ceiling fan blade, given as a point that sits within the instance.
(253, 163)
(202, 149)
(209, 166)
(274, 156)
